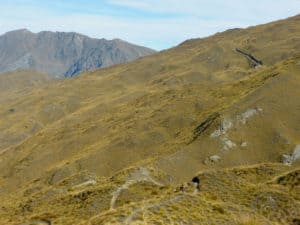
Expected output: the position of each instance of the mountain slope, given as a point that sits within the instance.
(22, 79)
(63, 54)
(113, 145)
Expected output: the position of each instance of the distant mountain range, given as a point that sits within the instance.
(63, 54)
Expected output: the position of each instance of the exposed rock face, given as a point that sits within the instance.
(229, 123)
(296, 153)
(289, 159)
(215, 158)
(244, 144)
(63, 54)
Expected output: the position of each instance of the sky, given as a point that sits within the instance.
(158, 24)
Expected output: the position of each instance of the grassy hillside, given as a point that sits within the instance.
(18, 83)
(14, 87)
(114, 145)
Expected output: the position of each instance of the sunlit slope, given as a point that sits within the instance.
(170, 112)
(207, 62)
(14, 87)
(204, 61)
(21, 82)
(258, 194)
(261, 126)
(22, 79)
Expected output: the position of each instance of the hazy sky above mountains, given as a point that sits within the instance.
(157, 24)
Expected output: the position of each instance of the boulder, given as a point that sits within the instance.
(288, 159)
(215, 158)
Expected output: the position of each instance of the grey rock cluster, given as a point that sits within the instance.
(288, 159)
(212, 159)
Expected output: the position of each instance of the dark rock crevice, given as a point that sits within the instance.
(252, 60)
(199, 130)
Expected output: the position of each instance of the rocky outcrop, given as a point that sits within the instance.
(229, 123)
(212, 159)
(288, 159)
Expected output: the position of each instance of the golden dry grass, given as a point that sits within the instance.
(159, 113)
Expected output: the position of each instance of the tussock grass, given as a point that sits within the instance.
(107, 126)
